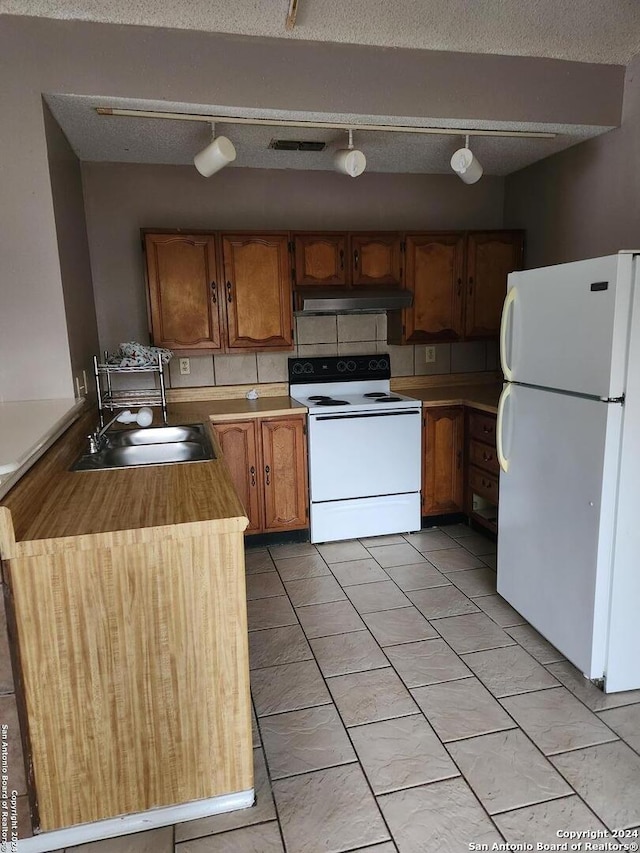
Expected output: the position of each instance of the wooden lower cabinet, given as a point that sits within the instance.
(267, 460)
(442, 460)
(482, 470)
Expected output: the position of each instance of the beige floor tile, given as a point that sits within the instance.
(264, 838)
(461, 709)
(535, 644)
(490, 560)
(387, 847)
(341, 552)
(392, 627)
(587, 692)
(288, 687)
(441, 601)
(478, 544)
(324, 620)
(372, 597)
(358, 572)
(318, 590)
(153, 841)
(626, 722)
(25, 829)
(474, 582)
(270, 613)
(264, 585)
(401, 753)
(258, 560)
(274, 646)
(506, 771)
(497, 608)
(556, 721)
(430, 540)
(344, 653)
(454, 560)
(300, 741)
(396, 555)
(292, 549)
(255, 733)
(607, 777)
(262, 811)
(420, 576)
(366, 697)
(305, 566)
(509, 671)
(376, 541)
(443, 817)
(328, 811)
(426, 662)
(457, 531)
(472, 633)
(539, 824)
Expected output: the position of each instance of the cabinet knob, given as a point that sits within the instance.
(341, 260)
(229, 291)
(267, 471)
(356, 258)
(252, 471)
(214, 297)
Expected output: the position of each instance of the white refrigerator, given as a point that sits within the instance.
(568, 436)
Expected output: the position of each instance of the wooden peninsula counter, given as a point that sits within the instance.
(126, 604)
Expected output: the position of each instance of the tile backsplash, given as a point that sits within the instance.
(335, 334)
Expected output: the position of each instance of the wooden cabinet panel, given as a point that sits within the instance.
(183, 294)
(376, 259)
(483, 427)
(239, 444)
(483, 484)
(284, 472)
(483, 469)
(320, 259)
(434, 275)
(483, 456)
(442, 458)
(491, 256)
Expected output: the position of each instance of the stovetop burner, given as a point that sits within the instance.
(374, 394)
(385, 399)
(317, 397)
(329, 401)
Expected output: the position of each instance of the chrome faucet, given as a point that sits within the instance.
(143, 417)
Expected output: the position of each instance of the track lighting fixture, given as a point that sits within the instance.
(218, 154)
(349, 160)
(466, 166)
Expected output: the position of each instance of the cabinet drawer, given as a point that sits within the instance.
(483, 484)
(482, 427)
(484, 456)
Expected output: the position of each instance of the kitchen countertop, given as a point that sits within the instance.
(482, 396)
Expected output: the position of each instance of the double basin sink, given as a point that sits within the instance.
(126, 448)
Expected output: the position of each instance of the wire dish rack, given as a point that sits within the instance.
(110, 399)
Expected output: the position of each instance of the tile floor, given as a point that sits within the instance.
(402, 705)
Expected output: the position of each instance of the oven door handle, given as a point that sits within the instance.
(366, 415)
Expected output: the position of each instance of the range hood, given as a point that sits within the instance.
(339, 300)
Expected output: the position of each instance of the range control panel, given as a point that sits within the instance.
(339, 368)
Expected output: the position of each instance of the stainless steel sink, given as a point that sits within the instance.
(156, 446)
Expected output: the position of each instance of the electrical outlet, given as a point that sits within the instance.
(185, 366)
(429, 355)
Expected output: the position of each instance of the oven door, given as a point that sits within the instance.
(364, 454)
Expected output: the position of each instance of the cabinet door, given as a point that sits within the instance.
(320, 259)
(257, 291)
(442, 471)
(491, 256)
(183, 295)
(434, 275)
(377, 259)
(284, 473)
(239, 444)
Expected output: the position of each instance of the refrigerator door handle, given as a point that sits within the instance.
(504, 326)
(502, 459)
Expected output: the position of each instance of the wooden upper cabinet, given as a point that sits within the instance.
(442, 461)
(257, 291)
(320, 259)
(434, 275)
(376, 259)
(183, 291)
(491, 256)
(239, 444)
(284, 473)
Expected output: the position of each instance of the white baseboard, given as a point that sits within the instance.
(58, 839)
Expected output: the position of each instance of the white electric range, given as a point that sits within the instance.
(364, 447)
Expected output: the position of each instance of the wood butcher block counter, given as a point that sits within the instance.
(126, 603)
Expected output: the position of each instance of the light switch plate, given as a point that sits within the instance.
(185, 366)
(429, 355)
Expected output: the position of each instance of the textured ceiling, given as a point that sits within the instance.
(606, 31)
(135, 140)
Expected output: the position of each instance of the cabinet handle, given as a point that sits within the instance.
(229, 291)
(267, 471)
(487, 457)
(252, 471)
(470, 285)
(341, 260)
(356, 258)
(487, 484)
(487, 430)
(214, 297)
